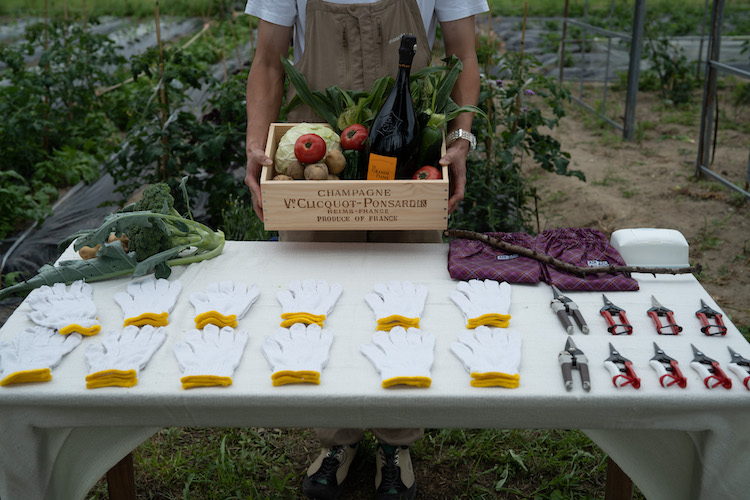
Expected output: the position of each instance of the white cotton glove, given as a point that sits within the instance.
(483, 302)
(402, 356)
(121, 355)
(149, 301)
(398, 303)
(297, 354)
(33, 353)
(307, 302)
(222, 304)
(65, 309)
(491, 356)
(210, 357)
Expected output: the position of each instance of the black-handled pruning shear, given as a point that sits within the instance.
(671, 328)
(621, 369)
(705, 314)
(572, 358)
(740, 366)
(667, 369)
(609, 311)
(708, 368)
(564, 307)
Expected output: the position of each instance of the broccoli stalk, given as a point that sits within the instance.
(159, 238)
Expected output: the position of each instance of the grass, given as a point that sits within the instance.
(259, 463)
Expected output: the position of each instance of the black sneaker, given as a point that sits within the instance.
(394, 479)
(326, 475)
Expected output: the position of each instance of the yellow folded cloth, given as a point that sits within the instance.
(112, 378)
(386, 324)
(92, 330)
(413, 381)
(295, 377)
(302, 317)
(215, 318)
(153, 319)
(495, 379)
(190, 381)
(492, 319)
(37, 375)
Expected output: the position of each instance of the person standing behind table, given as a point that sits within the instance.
(331, 31)
(352, 44)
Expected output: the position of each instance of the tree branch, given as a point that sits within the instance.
(581, 272)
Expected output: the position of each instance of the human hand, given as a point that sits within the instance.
(455, 157)
(256, 159)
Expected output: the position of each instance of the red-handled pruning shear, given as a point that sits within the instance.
(671, 328)
(667, 369)
(740, 366)
(608, 311)
(704, 314)
(708, 368)
(572, 358)
(564, 307)
(621, 369)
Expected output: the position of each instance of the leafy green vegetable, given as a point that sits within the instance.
(285, 150)
(157, 241)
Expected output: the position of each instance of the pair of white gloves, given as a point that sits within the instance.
(65, 309)
(210, 354)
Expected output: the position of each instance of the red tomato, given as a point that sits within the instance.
(354, 137)
(427, 173)
(310, 148)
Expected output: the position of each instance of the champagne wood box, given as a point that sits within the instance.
(350, 204)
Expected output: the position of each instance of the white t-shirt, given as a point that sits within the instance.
(292, 13)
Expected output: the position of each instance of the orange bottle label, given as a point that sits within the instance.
(381, 168)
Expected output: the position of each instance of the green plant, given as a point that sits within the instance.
(239, 222)
(671, 72)
(519, 107)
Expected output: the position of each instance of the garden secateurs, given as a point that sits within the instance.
(709, 369)
(658, 310)
(609, 311)
(705, 314)
(621, 369)
(572, 358)
(740, 366)
(564, 307)
(667, 369)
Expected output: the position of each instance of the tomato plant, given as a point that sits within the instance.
(310, 148)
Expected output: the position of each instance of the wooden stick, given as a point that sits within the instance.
(564, 266)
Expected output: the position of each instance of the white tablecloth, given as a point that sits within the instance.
(58, 438)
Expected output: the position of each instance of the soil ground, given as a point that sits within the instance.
(651, 182)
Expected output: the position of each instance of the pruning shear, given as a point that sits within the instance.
(709, 369)
(572, 358)
(564, 307)
(740, 366)
(608, 311)
(621, 369)
(667, 369)
(671, 328)
(704, 314)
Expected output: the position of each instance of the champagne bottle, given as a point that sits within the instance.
(394, 136)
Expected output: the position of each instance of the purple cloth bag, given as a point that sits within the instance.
(472, 259)
(582, 247)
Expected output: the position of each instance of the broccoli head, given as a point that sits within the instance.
(148, 241)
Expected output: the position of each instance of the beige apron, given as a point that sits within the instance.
(351, 46)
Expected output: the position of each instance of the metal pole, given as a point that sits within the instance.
(562, 40)
(634, 69)
(709, 89)
(609, 53)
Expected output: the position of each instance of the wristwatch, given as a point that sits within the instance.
(462, 134)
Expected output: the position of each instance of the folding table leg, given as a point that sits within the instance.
(121, 480)
(619, 485)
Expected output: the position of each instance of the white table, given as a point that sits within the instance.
(59, 438)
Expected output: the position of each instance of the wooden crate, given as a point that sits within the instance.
(350, 204)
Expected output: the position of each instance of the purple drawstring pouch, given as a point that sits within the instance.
(582, 247)
(472, 259)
